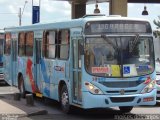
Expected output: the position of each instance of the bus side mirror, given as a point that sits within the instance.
(155, 34)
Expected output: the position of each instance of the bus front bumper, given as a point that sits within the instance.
(104, 101)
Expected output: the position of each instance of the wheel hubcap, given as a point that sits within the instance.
(64, 98)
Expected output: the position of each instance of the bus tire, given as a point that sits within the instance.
(21, 87)
(64, 100)
(126, 109)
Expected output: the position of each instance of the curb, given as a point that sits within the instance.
(41, 112)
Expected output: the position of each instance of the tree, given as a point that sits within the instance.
(157, 23)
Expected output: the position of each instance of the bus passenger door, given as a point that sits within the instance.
(37, 57)
(77, 93)
(14, 37)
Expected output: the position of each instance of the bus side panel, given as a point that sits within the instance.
(7, 69)
(21, 66)
(25, 66)
(49, 86)
(62, 74)
(22, 70)
(38, 77)
(1, 58)
(53, 71)
(14, 61)
(29, 80)
(1, 68)
(14, 73)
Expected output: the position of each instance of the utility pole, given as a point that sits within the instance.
(20, 17)
(21, 13)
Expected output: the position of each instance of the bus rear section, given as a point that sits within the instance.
(1, 55)
(118, 67)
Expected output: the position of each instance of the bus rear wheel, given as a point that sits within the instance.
(126, 109)
(21, 86)
(64, 99)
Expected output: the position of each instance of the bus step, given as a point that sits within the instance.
(39, 95)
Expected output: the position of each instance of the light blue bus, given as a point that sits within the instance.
(1, 54)
(91, 62)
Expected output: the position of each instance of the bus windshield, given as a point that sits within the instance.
(122, 56)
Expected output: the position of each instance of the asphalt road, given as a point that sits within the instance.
(55, 113)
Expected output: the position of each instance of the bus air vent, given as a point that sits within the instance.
(121, 99)
(126, 91)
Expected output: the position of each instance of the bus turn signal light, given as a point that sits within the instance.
(148, 99)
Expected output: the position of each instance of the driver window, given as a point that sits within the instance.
(99, 53)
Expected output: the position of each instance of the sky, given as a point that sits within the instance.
(52, 11)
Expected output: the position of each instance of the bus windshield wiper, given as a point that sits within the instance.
(109, 42)
(134, 43)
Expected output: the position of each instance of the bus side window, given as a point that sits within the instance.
(29, 43)
(21, 44)
(45, 47)
(8, 44)
(63, 44)
(49, 44)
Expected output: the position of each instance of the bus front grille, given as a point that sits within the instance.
(125, 91)
(121, 99)
(122, 84)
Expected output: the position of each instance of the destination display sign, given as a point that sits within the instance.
(101, 27)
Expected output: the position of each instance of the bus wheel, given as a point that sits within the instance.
(21, 87)
(126, 109)
(64, 99)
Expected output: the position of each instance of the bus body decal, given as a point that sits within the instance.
(30, 75)
(20, 62)
(45, 77)
(47, 90)
(44, 73)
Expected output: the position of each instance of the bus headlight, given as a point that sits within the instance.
(149, 87)
(93, 89)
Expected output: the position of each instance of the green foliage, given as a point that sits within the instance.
(156, 33)
(157, 23)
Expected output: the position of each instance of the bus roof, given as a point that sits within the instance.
(1, 31)
(70, 23)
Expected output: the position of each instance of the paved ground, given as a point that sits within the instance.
(13, 108)
(46, 109)
(8, 90)
(39, 111)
